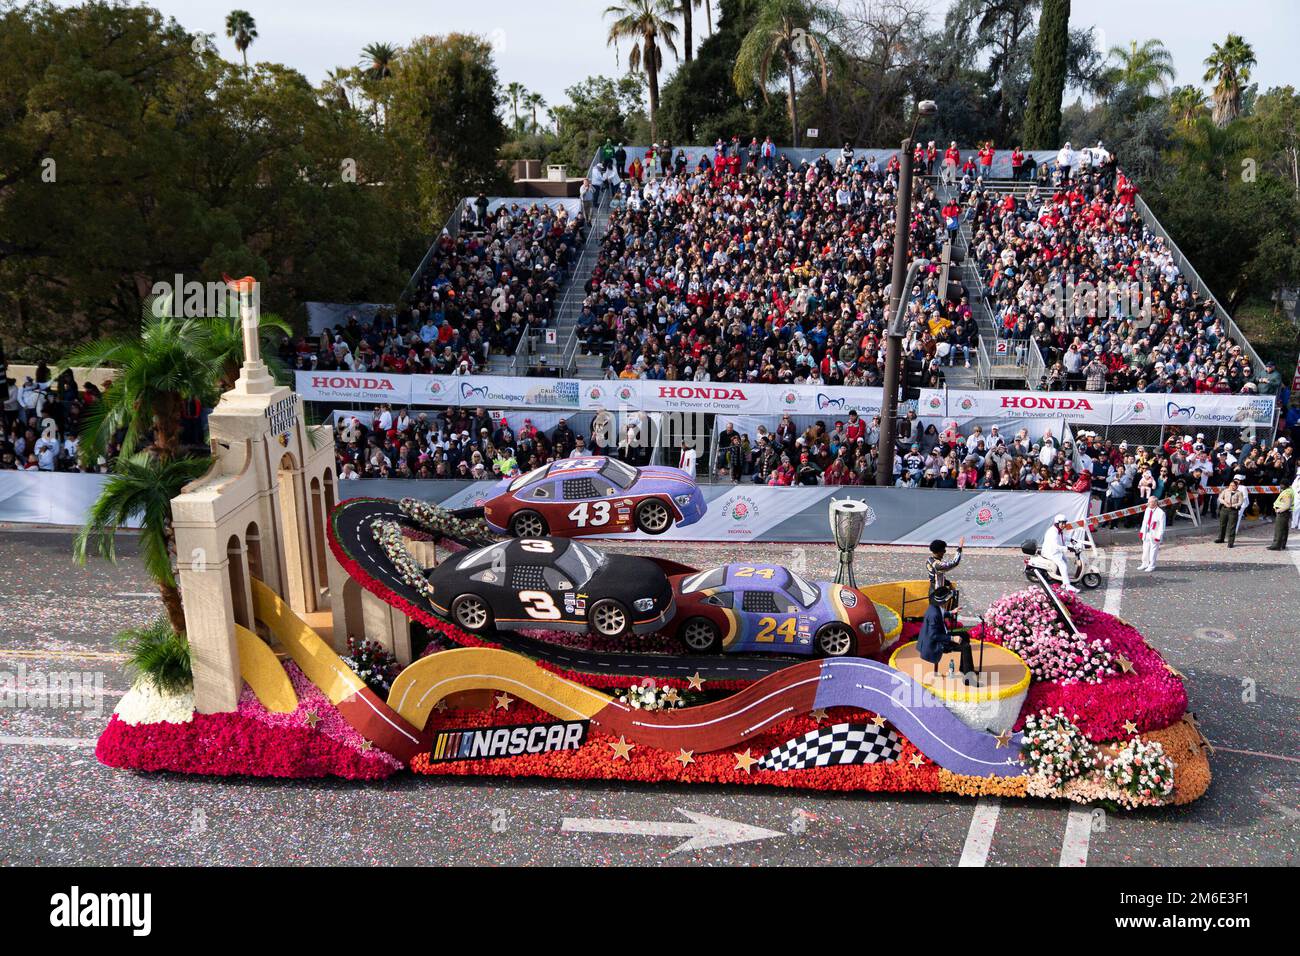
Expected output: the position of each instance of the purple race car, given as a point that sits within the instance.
(596, 495)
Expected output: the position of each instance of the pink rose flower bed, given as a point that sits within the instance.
(1150, 695)
(251, 741)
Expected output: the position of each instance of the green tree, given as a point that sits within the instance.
(1187, 104)
(242, 28)
(1042, 127)
(141, 488)
(784, 33)
(534, 102)
(1228, 68)
(1138, 68)
(379, 60)
(445, 106)
(223, 343)
(515, 93)
(598, 107)
(687, 10)
(648, 24)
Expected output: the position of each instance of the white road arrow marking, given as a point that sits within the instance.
(703, 830)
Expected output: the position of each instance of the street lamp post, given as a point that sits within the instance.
(894, 333)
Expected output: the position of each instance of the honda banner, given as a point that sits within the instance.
(344, 386)
(1102, 408)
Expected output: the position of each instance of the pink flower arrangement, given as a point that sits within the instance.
(1026, 622)
(251, 740)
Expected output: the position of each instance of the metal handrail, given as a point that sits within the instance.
(452, 228)
(1036, 367)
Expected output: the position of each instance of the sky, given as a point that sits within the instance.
(549, 45)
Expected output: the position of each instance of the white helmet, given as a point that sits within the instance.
(1059, 519)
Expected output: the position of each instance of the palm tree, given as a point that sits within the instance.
(336, 87)
(687, 9)
(534, 102)
(515, 93)
(1138, 68)
(242, 28)
(223, 342)
(647, 23)
(142, 487)
(1228, 67)
(154, 374)
(379, 60)
(1186, 103)
(782, 30)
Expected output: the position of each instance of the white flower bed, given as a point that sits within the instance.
(1141, 772)
(389, 536)
(144, 703)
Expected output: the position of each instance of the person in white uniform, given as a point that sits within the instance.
(1295, 508)
(1053, 548)
(1152, 532)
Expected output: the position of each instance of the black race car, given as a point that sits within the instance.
(551, 583)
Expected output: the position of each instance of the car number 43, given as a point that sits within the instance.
(590, 514)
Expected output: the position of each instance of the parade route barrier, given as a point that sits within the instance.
(1093, 521)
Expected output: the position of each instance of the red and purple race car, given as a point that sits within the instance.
(595, 495)
(765, 607)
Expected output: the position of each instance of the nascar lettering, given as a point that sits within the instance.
(482, 743)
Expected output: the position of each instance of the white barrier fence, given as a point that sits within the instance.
(49, 497)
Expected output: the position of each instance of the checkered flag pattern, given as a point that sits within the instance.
(838, 745)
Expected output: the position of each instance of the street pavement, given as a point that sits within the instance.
(1225, 619)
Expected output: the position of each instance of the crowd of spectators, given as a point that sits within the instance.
(747, 267)
(41, 419)
(482, 289)
(1071, 264)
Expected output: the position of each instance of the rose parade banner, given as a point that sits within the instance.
(1102, 408)
(747, 512)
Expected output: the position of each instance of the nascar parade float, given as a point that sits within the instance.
(549, 657)
(370, 636)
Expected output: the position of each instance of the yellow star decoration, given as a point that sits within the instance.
(819, 714)
(917, 760)
(441, 706)
(1173, 670)
(878, 720)
(744, 760)
(685, 757)
(1125, 664)
(671, 695)
(1003, 739)
(696, 681)
(622, 749)
(313, 719)
(1130, 728)
(504, 701)
(367, 745)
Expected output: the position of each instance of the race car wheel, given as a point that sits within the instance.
(836, 640)
(528, 524)
(653, 516)
(609, 618)
(1091, 580)
(700, 635)
(471, 613)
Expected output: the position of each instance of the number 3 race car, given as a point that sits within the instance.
(551, 583)
(577, 496)
(763, 607)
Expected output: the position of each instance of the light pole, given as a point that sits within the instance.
(893, 333)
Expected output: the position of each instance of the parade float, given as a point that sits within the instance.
(337, 639)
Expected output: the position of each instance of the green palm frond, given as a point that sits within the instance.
(158, 654)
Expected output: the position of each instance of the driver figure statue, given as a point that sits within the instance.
(934, 640)
(936, 568)
(1054, 549)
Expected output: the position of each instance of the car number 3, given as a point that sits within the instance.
(539, 605)
(768, 628)
(595, 514)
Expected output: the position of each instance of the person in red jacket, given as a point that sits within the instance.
(855, 427)
(986, 159)
(1017, 162)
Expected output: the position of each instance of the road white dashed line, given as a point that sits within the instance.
(979, 837)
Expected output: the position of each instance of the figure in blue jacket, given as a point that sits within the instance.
(934, 640)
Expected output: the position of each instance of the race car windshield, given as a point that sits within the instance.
(481, 556)
(704, 580)
(579, 563)
(525, 479)
(801, 590)
(616, 471)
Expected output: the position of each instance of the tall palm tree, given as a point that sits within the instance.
(154, 374)
(1138, 68)
(784, 31)
(336, 86)
(687, 10)
(1228, 67)
(242, 28)
(647, 23)
(515, 93)
(223, 342)
(534, 102)
(379, 60)
(142, 487)
(1187, 104)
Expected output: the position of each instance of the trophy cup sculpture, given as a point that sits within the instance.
(848, 519)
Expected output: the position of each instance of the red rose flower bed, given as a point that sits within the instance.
(251, 741)
(1149, 694)
(595, 760)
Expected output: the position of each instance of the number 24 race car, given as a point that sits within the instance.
(764, 607)
(551, 583)
(597, 495)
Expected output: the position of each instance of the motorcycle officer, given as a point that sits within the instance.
(1054, 549)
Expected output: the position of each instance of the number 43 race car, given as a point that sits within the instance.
(579, 496)
(551, 583)
(763, 607)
